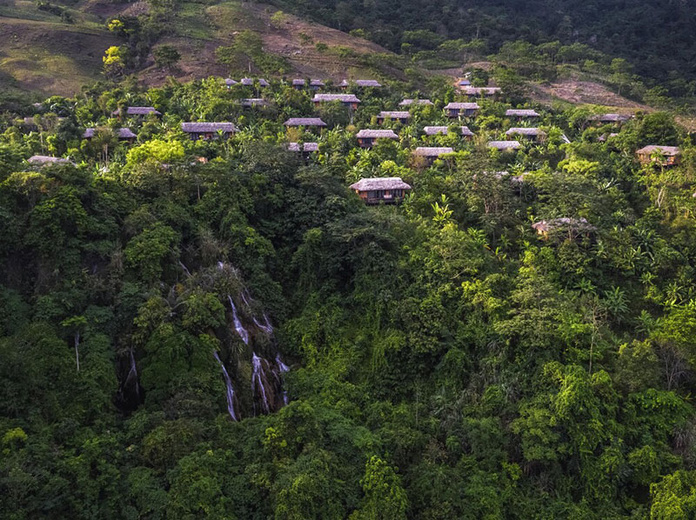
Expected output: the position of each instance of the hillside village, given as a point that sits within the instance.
(428, 132)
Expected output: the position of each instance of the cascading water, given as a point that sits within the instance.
(259, 381)
(246, 297)
(132, 377)
(243, 333)
(282, 369)
(228, 384)
(265, 326)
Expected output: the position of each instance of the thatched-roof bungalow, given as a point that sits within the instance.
(123, 134)
(662, 155)
(444, 130)
(430, 153)
(387, 190)
(461, 109)
(349, 100)
(534, 134)
(504, 146)
(136, 111)
(306, 122)
(411, 102)
(482, 91)
(393, 115)
(519, 113)
(367, 138)
(363, 83)
(198, 131)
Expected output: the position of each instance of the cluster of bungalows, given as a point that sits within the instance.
(391, 189)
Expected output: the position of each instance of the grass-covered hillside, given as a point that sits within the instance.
(58, 48)
(212, 309)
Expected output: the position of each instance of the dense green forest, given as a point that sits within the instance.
(658, 38)
(222, 329)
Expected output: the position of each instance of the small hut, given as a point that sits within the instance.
(387, 190)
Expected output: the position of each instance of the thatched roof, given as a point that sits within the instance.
(306, 147)
(534, 132)
(667, 151)
(298, 83)
(544, 226)
(431, 151)
(361, 83)
(138, 111)
(204, 128)
(41, 160)
(304, 121)
(394, 114)
(376, 134)
(518, 112)
(343, 98)
(486, 91)
(504, 145)
(464, 83)
(443, 130)
(122, 133)
(229, 82)
(462, 106)
(409, 102)
(253, 102)
(611, 118)
(248, 82)
(316, 83)
(380, 183)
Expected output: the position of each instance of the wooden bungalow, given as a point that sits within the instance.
(533, 134)
(400, 116)
(430, 153)
(411, 102)
(662, 155)
(305, 122)
(304, 149)
(230, 82)
(136, 112)
(386, 190)
(518, 113)
(462, 83)
(349, 100)
(298, 84)
(505, 146)
(123, 134)
(208, 131)
(482, 91)
(461, 109)
(444, 130)
(367, 138)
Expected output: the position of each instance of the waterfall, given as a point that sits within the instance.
(258, 380)
(133, 375)
(185, 269)
(282, 368)
(228, 384)
(243, 333)
(246, 297)
(265, 326)
(221, 265)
